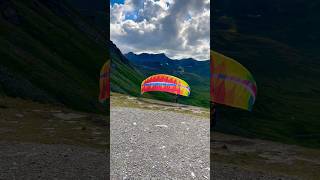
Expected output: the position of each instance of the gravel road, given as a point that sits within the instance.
(40, 161)
(147, 144)
(229, 172)
(157, 144)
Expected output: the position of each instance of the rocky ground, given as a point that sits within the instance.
(55, 161)
(165, 140)
(234, 156)
(43, 141)
(157, 144)
(149, 139)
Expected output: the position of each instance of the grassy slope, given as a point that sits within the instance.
(127, 79)
(52, 53)
(294, 22)
(276, 41)
(124, 78)
(288, 90)
(96, 11)
(55, 55)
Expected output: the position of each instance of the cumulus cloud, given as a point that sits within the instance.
(178, 28)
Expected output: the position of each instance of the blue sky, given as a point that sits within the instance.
(117, 1)
(178, 28)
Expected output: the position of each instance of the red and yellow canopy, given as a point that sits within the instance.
(165, 83)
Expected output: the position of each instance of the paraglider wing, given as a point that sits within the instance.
(231, 83)
(104, 82)
(165, 83)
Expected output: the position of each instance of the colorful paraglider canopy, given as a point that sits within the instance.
(104, 82)
(231, 83)
(165, 83)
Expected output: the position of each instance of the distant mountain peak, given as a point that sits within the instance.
(157, 56)
(148, 54)
(130, 53)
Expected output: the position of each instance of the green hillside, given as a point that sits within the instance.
(287, 75)
(126, 79)
(52, 51)
(50, 54)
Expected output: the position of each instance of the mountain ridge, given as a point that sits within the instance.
(161, 61)
(159, 55)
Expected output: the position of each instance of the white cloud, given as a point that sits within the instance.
(178, 28)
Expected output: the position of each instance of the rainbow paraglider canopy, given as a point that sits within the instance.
(165, 83)
(231, 83)
(104, 82)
